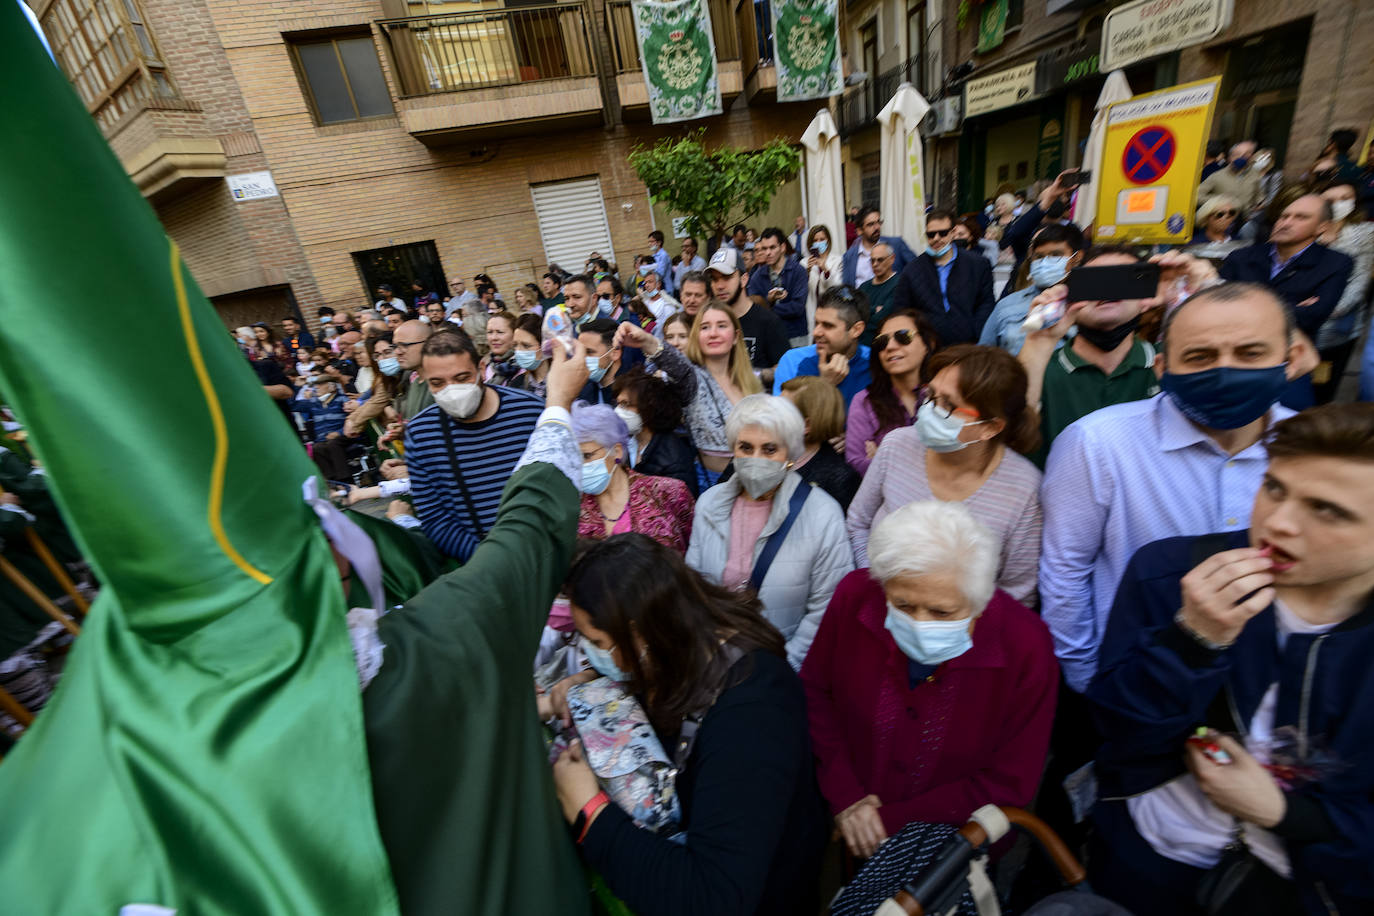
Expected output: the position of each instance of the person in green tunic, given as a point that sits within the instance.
(460, 774)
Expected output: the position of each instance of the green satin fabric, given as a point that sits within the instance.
(205, 749)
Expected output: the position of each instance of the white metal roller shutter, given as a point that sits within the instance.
(572, 221)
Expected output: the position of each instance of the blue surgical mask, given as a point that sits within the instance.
(596, 477)
(1225, 398)
(821, 245)
(604, 662)
(928, 642)
(526, 359)
(1049, 270)
(389, 365)
(940, 434)
(939, 252)
(644, 269)
(1239, 163)
(595, 369)
(604, 304)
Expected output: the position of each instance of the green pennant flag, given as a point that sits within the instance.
(807, 41)
(677, 53)
(992, 25)
(205, 750)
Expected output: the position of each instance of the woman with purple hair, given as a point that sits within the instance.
(616, 499)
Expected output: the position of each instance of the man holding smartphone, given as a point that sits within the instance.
(1105, 363)
(779, 282)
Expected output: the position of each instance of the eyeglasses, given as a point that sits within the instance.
(1224, 212)
(903, 337)
(944, 409)
(938, 234)
(403, 344)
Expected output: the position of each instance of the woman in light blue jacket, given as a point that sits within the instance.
(766, 528)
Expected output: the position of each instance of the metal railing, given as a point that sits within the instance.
(625, 49)
(453, 53)
(859, 106)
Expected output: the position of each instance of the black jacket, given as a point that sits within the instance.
(670, 455)
(1319, 272)
(755, 820)
(970, 296)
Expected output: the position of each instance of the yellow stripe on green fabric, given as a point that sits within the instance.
(216, 420)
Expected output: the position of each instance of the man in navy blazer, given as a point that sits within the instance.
(952, 288)
(1305, 273)
(857, 266)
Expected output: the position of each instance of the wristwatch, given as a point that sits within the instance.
(583, 819)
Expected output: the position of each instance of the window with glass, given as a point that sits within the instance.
(342, 78)
(108, 52)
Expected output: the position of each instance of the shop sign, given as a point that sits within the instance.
(252, 186)
(1000, 90)
(1068, 63)
(1151, 161)
(1149, 28)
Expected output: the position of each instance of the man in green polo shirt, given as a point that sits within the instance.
(879, 291)
(1104, 364)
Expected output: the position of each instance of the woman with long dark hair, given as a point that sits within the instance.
(690, 651)
(897, 362)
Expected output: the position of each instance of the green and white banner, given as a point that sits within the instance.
(678, 55)
(807, 47)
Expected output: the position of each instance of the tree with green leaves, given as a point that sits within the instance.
(714, 189)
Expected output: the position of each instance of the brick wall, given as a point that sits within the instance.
(230, 247)
(353, 187)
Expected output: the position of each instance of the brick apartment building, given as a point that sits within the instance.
(403, 138)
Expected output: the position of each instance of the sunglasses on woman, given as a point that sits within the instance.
(903, 337)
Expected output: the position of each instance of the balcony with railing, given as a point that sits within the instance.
(859, 106)
(497, 71)
(634, 94)
(760, 76)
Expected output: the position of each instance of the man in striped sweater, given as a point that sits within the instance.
(461, 450)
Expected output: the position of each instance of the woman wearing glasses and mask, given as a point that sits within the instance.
(616, 499)
(768, 530)
(967, 446)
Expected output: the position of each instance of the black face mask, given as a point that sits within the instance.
(961, 243)
(1108, 339)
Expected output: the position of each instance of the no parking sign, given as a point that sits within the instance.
(1151, 163)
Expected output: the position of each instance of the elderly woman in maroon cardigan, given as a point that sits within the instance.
(930, 692)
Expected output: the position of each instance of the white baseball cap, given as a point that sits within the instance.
(724, 261)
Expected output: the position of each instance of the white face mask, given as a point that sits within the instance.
(1340, 209)
(633, 421)
(459, 401)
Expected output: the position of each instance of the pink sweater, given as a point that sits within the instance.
(976, 734)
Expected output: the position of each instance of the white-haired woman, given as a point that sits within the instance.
(765, 528)
(1217, 220)
(930, 692)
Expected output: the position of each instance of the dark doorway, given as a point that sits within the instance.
(397, 266)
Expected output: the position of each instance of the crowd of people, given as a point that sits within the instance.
(870, 548)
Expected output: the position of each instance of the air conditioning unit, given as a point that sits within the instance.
(945, 117)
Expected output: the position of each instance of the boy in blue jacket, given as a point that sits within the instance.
(1267, 635)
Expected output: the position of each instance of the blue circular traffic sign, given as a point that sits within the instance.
(1149, 154)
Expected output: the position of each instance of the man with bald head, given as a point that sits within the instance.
(879, 290)
(412, 396)
(1187, 461)
(1237, 180)
(1304, 273)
